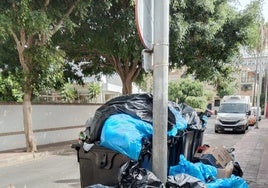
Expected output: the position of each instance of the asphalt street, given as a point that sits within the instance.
(227, 139)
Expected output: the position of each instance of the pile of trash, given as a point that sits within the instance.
(120, 136)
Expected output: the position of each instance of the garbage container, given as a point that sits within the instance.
(188, 144)
(99, 165)
(197, 141)
(175, 148)
(182, 143)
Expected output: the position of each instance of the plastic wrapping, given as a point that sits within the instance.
(237, 169)
(100, 186)
(180, 122)
(206, 174)
(191, 116)
(184, 181)
(198, 170)
(124, 134)
(232, 182)
(139, 106)
(132, 176)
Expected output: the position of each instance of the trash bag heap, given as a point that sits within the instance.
(115, 149)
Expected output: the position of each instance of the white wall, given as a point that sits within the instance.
(51, 123)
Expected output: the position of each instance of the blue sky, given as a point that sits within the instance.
(243, 3)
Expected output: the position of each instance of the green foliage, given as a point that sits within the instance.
(184, 90)
(196, 102)
(29, 26)
(206, 35)
(253, 32)
(209, 95)
(181, 89)
(68, 93)
(94, 89)
(110, 44)
(225, 88)
(9, 60)
(174, 92)
(187, 91)
(10, 88)
(46, 65)
(146, 84)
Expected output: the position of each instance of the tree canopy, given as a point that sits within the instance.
(108, 41)
(26, 29)
(205, 36)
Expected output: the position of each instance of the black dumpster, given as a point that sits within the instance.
(99, 165)
(197, 141)
(182, 143)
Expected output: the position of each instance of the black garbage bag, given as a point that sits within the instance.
(237, 169)
(184, 181)
(100, 186)
(191, 116)
(139, 106)
(132, 176)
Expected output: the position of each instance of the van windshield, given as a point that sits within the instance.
(233, 108)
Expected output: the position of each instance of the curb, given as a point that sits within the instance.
(18, 156)
(7, 159)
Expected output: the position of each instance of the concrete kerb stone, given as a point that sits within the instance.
(18, 156)
(7, 159)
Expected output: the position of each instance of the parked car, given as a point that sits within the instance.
(252, 119)
(233, 114)
(254, 111)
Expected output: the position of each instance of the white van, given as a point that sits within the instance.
(233, 114)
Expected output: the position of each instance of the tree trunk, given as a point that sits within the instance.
(27, 119)
(127, 71)
(127, 87)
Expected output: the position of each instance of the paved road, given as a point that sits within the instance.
(54, 171)
(225, 139)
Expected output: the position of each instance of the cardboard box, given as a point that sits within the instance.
(215, 156)
(225, 172)
(199, 151)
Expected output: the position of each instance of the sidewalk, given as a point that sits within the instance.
(19, 155)
(252, 154)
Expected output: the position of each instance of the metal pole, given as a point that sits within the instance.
(258, 96)
(265, 90)
(255, 82)
(260, 77)
(160, 91)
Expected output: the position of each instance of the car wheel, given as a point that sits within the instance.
(246, 127)
(216, 131)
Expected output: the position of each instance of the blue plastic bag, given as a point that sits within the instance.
(232, 182)
(204, 120)
(181, 123)
(124, 133)
(198, 170)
